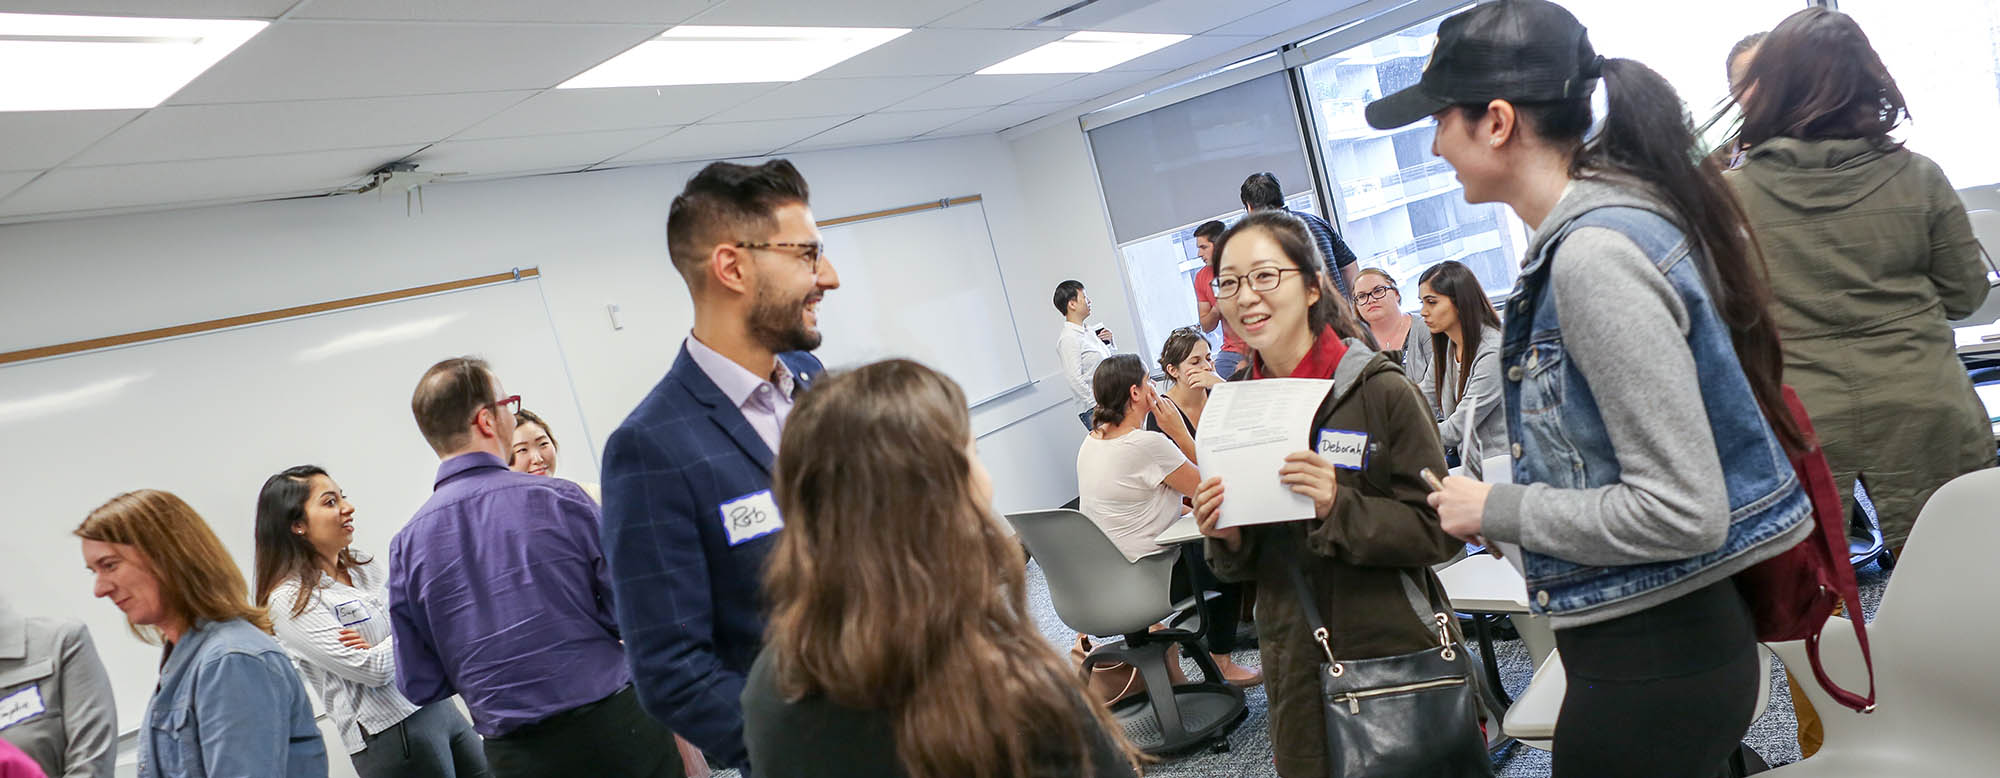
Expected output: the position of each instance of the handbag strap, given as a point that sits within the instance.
(1822, 492)
(1320, 635)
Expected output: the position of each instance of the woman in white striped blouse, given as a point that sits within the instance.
(329, 607)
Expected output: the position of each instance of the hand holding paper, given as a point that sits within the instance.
(1248, 429)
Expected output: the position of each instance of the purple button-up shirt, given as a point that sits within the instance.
(498, 592)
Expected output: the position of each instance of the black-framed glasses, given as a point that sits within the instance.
(1379, 293)
(809, 253)
(1261, 280)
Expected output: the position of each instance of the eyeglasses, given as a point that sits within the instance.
(1379, 293)
(1261, 279)
(808, 253)
(512, 404)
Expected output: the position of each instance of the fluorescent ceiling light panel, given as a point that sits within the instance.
(733, 55)
(1084, 52)
(81, 63)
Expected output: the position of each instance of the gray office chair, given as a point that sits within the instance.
(1097, 592)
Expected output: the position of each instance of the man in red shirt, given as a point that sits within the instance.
(1233, 350)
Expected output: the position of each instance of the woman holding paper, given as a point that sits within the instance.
(1372, 537)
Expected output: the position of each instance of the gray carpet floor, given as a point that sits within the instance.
(1774, 735)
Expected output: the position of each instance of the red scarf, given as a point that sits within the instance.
(1319, 362)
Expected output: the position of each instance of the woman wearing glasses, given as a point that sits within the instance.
(1465, 336)
(1373, 537)
(330, 608)
(1381, 306)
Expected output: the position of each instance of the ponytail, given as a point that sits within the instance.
(1647, 139)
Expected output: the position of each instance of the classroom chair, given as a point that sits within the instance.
(1932, 641)
(1097, 592)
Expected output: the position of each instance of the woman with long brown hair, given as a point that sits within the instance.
(1465, 336)
(330, 608)
(1366, 553)
(1643, 400)
(899, 641)
(229, 704)
(1870, 255)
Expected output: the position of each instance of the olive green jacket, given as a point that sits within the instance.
(1368, 560)
(1870, 254)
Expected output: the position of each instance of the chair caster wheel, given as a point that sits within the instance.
(1220, 747)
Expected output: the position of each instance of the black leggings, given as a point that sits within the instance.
(1668, 691)
(1218, 627)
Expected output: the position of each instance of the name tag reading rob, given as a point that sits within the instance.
(750, 517)
(1345, 449)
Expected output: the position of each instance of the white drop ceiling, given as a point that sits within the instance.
(334, 89)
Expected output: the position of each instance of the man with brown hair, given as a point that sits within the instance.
(688, 512)
(498, 592)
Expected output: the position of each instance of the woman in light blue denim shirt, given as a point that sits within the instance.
(229, 703)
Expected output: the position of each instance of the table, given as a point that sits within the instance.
(1182, 531)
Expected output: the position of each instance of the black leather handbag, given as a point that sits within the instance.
(1413, 715)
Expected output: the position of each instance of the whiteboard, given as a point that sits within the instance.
(209, 417)
(923, 286)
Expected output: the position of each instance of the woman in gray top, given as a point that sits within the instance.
(1457, 312)
(55, 699)
(1380, 305)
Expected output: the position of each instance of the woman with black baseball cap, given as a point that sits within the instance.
(1639, 363)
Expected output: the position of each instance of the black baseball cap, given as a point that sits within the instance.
(1524, 51)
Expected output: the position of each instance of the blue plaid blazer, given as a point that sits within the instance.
(687, 602)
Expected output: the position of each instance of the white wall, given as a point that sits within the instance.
(598, 238)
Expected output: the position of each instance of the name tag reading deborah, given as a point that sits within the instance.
(350, 613)
(750, 517)
(1345, 449)
(21, 706)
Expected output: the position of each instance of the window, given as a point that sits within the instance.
(1160, 270)
(1402, 208)
(1945, 55)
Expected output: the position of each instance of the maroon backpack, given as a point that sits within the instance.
(1791, 595)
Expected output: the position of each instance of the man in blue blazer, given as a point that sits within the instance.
(688, 513)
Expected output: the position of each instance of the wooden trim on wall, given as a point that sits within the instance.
(260, 318)
(930, 206)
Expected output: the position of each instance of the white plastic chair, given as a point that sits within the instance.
(1937, 697)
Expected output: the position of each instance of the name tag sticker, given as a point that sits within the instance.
(750, 517)
(1345, 449)
(21, 706)
(350, 613)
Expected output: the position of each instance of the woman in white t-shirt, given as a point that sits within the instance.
(1131, 479)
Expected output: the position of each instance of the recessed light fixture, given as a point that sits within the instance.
(733, 55)
(78, 63)
(1084, 52)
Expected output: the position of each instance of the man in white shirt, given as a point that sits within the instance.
(1078, 350)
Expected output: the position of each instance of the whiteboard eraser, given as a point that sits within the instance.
(612, 310)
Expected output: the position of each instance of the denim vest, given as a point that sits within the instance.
(1560, 437)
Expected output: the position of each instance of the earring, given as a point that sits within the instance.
(1495, 143)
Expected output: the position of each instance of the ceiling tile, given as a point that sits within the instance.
(12, 181)
(65, 190)
(245, 129)
(940, 53)
(542, 153)
(43, 139)
(884, 128)
(984, 91)
(184, 9)
(615, 11)
(830, 96)
(1190, 17)
(1094, 86)
(621, 108)
(999, 119)
(1002, 14)
(1285, 16)
(1186, 52)
(321, 60)
(830, 13)
(719, 141)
